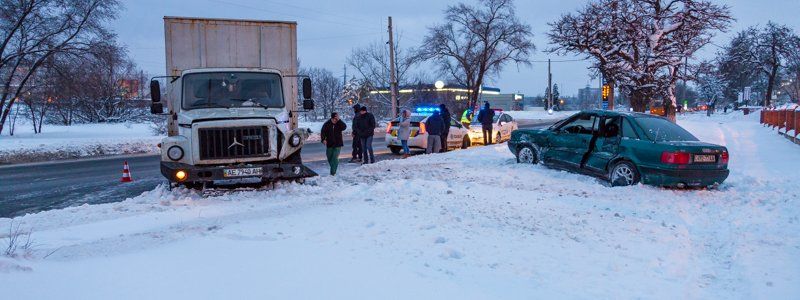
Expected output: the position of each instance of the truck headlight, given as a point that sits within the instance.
(175, 153)
(294, 140)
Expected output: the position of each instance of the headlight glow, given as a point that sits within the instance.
(180, 175)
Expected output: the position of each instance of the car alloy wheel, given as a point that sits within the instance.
(526, 155)
(624, 174)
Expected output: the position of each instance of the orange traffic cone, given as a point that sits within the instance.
(126, 173)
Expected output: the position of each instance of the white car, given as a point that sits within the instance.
(456, 138)
(503, 125)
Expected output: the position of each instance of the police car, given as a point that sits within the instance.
(503, 125)
(456, 138)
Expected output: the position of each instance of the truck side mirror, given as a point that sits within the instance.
(308, 104)
(306, 89)
(156, 108)
(155, 91)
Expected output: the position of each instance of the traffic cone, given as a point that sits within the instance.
(126, 173)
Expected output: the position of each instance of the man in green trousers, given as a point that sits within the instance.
(331, 136)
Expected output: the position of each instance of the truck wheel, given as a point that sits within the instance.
(527, 155)
(466, 142)
(623, 173)
(396, 150)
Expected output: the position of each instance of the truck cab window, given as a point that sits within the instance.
(237, 89)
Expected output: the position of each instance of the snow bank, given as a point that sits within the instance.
(468, 224)
(59, 142)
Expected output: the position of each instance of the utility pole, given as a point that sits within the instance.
(344, 81)
(549, 86)
(393, 80)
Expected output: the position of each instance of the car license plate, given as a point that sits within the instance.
(243, 172)
(706, 158)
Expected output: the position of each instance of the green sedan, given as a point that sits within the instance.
(625, 149)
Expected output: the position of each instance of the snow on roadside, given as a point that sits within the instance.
(80, 140)
(465, 224)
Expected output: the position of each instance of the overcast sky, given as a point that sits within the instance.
(328, 30)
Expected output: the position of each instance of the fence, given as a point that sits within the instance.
(784, 119)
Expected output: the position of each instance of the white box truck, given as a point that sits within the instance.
(231, 99)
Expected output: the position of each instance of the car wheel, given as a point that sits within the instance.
(623, 173)
(466, 143)
(396, 150)
(526, 155)
(499, 138)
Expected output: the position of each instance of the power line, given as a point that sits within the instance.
(563, 60)
(341, 36)
(289, 14)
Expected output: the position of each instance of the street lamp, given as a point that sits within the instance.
(439, 84)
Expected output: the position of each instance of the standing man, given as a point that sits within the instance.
(357, 151)
(434, 126)
(365, 129)
(486, 117)
(446, 120)
(331, 136)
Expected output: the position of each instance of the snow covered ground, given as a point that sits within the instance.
(59, 142)
(468, 224)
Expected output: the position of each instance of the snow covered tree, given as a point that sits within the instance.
(640, 45)
(736, 72)
(769, 49)
(476, 42)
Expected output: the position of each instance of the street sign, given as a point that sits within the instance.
(605, 105)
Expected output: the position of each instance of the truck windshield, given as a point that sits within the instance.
(232, 89)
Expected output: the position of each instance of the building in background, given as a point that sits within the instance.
(456, 97)
(588, 98)
(505, 101)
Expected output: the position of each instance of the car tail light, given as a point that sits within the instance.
(389, 128)
(676, 158)
(422, 129)
(724, 157)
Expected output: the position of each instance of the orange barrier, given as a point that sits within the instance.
(784, 119)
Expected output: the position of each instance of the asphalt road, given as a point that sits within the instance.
(30, 188)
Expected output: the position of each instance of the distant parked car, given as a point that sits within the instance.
(503, 125)
(625, 149)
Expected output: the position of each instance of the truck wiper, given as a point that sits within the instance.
(210, 105)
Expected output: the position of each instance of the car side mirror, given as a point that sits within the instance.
(308, 104)
(306, 90)
(156, 108)
(155, 91)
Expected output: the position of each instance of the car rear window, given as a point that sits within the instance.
(660, 129)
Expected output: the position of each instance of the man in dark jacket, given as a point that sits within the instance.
(486, 117)
(356, 145)
(445, 114)
(331, 137)
(364, 127)
(434, 126)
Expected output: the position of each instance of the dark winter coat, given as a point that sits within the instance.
(434, 125)
(445, 114)
(486, 116)
(332, 134)
(364, 125)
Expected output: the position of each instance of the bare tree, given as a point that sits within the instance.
(769, 49)
(476, 42)
(34, 30)
(327, 90)
(371, 62)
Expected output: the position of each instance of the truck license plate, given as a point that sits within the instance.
(705, 158)
(243, 172)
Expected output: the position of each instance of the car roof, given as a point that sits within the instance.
(618, 113)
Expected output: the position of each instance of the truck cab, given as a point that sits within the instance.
(230, 119)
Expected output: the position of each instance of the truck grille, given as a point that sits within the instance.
(234, 142)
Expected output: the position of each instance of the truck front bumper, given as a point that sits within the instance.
(211, 173)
